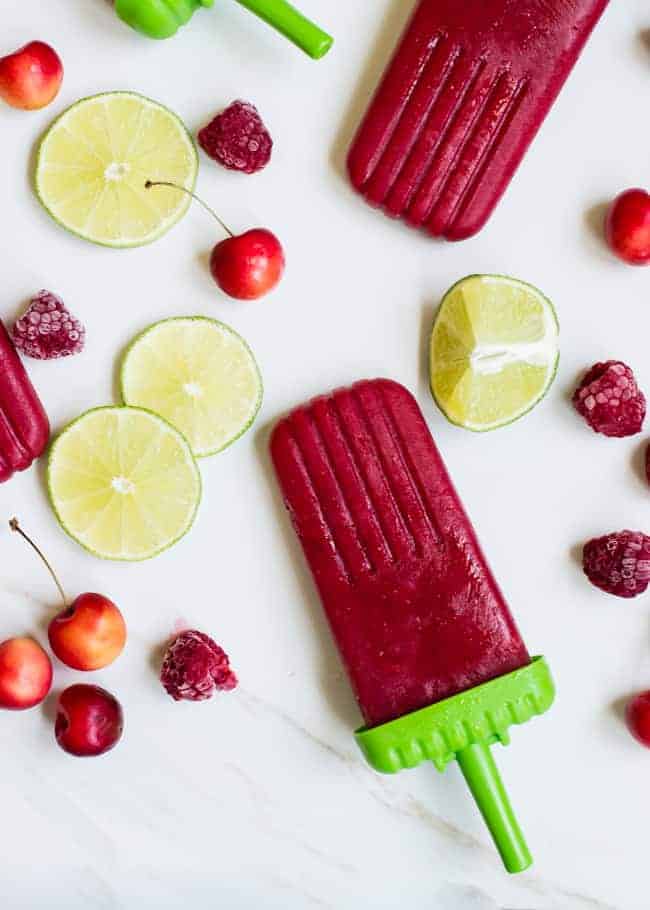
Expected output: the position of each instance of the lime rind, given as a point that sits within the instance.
(166, 224)
(134, 396)
(189, 460)
(466, 346)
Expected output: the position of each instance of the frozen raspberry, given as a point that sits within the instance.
(618, 563)
(47, 330)
(647, 463)
(610, 400)
(238, 139)
(195, 667)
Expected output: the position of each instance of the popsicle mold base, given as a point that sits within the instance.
(480, 715)
(463, 728)
(158, 19)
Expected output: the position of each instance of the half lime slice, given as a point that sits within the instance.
(123, 483)
(494, 351)
(95, 159)
(198, 374)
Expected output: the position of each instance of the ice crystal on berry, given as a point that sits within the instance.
(195, 667)
(47, 330)
(610, 400)
(238, 139)
(618, 563)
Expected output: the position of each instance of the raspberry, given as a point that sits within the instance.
(610, 400)
(238, 139)
(647, 463)
(195, 667)
(47, 330)
(618, 563)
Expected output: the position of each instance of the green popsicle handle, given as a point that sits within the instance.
(463, 728)
(483, 778)
(163, 18)
(291, 23)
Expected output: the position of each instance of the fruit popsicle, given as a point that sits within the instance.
(464, 96)
(433, 654)
(24, 427)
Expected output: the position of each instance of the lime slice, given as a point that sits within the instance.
(494, 351)
(199, 375)
(123, 483)
(94, 161)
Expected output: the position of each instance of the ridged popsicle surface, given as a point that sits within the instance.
(412, 603)
(24, 427)
(467, 90)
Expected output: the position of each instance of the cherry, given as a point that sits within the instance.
(627, 227)
(31, 77)
(248, 266)
(245, 266)
(89, 720)
(25, 674)
(637, 715)
(88, 634)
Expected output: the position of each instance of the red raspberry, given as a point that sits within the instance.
(195, 667)
(610, 400)
(618, 563)
(238, 139)
(47, 330)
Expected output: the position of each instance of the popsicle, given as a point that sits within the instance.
(24, 427)
(465, 94)
(431, 649)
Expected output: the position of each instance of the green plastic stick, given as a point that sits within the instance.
(163, 18)
(483, 778)
(291, 23)
(463, 728)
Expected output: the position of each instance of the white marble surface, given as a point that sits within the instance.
(259, 798)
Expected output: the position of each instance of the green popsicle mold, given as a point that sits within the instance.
(463, 728)
(163, 18)
(158, 18)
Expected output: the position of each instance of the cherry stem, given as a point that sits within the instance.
(181, 189)
(13, 524)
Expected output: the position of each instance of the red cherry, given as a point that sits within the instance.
(91, 632)
(245, 266)
(248, 266)
(89, 720)
(25, 674)
(627, 227)
(637, 715)
(31, 77)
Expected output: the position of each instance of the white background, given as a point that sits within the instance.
(259, 798)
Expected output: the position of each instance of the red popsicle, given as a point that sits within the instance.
(24, 427)
(467, 90)
(412, 603)
(436, 662)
